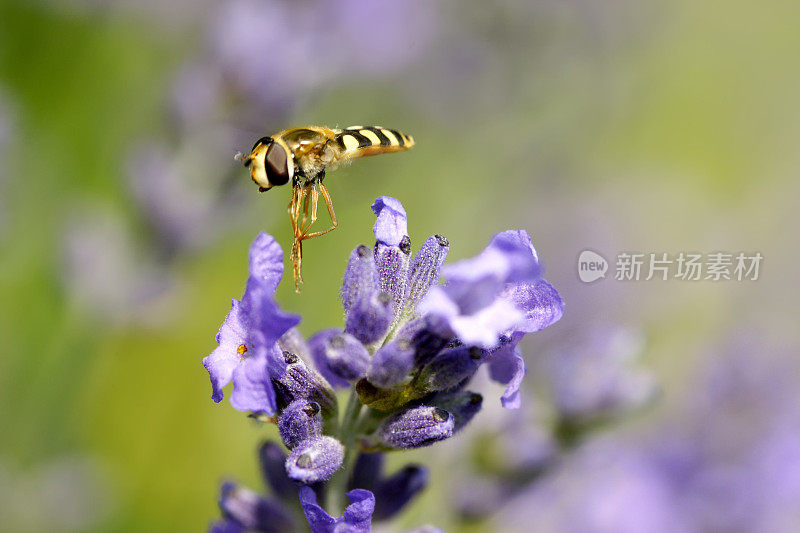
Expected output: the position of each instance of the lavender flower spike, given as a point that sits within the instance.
(357, 516)
(247, 353)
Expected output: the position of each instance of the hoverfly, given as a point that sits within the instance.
(301, 156)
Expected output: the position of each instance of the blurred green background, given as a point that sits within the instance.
(615, 126)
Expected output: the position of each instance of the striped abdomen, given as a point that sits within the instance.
(360, 141)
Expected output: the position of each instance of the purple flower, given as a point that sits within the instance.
(248, 352)
(594, 374)
(392, 493)
(272, 460)
(495, 293)
(243, 507)
(356, 518)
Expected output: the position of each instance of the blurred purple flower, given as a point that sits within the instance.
(250, 511)
(592, 375)
(105, 270)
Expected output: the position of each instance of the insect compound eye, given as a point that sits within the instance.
(276, 164)
(262, 140)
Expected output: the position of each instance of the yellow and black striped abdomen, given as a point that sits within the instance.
(360, 141)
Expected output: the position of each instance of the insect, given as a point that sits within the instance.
(301, 156)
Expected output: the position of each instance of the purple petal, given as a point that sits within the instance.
(357, 515)
(266, 261)
(220, 366)
(264, 313)
(506, 366)
(221, 363)
(391, 225)
(482, 328)
(475, 283)
(523, 261)
(234, 328)
(539, 301)
(319, 520)
(252, 387)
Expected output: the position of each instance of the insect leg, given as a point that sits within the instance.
(293, 208)
(299, 199)
(297, 264)
(329, 205)
(314, 195)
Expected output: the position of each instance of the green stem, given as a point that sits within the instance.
(337, 486)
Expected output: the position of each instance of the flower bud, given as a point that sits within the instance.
(392, 264)
(345, 356)
(318, 345)
(367, 471)
(315, 460)
(391, 364)
(463, 405)
(424, 270)
(450, 368)
(293, 341)
(396, 491)
(427, 343)
(301, 420)
(369, 319)
(360, 277)
(301, 382)
(253, 511)
(415, 427)
(272, 459)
